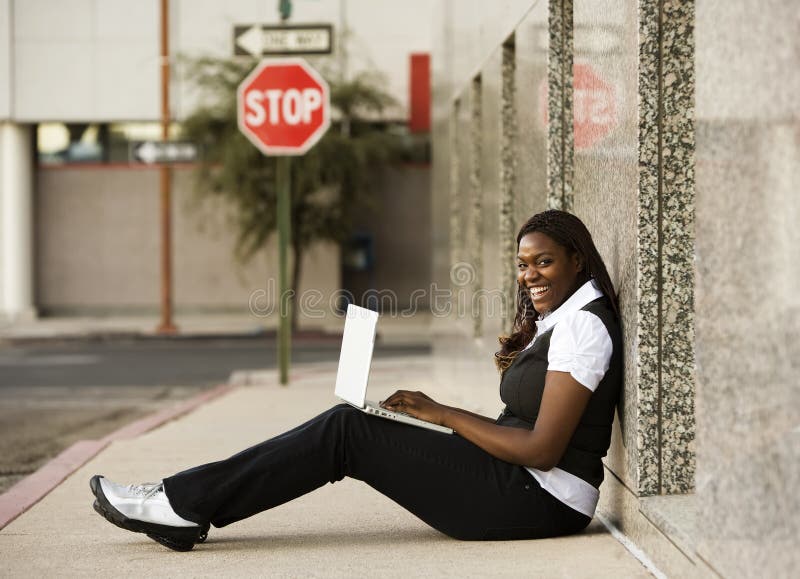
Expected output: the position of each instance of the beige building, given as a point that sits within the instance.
(671, 129)
(80, 234)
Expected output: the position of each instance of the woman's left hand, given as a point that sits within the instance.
(417, 405)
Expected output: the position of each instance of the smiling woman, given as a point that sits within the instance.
(556, 256)
(533, 472)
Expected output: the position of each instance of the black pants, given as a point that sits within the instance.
(443, 479)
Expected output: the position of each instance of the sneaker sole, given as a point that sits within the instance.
(176, 538)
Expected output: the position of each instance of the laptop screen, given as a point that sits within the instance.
(358, 341)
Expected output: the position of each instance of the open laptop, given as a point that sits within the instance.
(355, 360)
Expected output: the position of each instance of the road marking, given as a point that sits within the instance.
(51, 360)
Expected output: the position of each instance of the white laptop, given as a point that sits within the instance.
(355, 359)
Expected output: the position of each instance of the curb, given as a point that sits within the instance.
(33, 488)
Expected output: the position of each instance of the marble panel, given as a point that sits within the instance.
(677, 144)
(560, 148)
(441, 195)
(461, 270)
(475, 237)
(648, 259)
(455, 189)
(444, 127)
(747, 305)
(489, 300)
(748, 345)
(606, 197)
(507, 231)
(531, 41)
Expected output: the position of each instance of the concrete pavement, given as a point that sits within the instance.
(344, 529)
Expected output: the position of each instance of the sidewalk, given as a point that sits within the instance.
(345, 529)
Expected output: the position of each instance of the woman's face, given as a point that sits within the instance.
(547, 271)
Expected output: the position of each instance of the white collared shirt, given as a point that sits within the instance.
(581, 345)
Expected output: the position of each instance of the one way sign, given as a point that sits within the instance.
(262, 40)
(152, 152)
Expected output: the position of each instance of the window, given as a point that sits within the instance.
(75, 143)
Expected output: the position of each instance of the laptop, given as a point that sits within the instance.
(355, 360)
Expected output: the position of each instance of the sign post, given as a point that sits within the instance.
(283, 108)
(283, 183)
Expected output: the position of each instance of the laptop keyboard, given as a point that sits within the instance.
(383, 410)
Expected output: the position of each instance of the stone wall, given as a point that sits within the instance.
(514, 149)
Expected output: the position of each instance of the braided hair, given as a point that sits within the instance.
(569, 232)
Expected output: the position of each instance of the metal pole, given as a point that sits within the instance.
(166, 326)
(283, 177)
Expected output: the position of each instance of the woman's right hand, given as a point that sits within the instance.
(416, 404)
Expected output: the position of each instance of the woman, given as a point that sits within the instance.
(533, 472)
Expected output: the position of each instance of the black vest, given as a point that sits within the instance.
(522, 386)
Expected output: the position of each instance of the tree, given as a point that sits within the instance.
(328, 184)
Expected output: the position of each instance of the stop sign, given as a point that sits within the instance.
(283, 106)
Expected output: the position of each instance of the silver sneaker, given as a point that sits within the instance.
(144, 502)
(145, 508)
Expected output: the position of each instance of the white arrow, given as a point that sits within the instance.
(148, 152)
(252, 41)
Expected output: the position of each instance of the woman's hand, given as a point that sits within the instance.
(416, 404)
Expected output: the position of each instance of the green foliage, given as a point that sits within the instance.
(329, 183)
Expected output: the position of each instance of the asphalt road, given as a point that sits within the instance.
(54, 393)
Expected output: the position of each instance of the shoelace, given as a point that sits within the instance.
(146, 490)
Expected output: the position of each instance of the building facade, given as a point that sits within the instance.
(671, 129)
(80, 82)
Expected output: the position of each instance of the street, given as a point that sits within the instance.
(54, 393)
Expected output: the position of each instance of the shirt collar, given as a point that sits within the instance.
(588, 292)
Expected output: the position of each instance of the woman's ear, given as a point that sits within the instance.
(577, 259)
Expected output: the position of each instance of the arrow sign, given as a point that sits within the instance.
(152, 152)
(260, 40)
